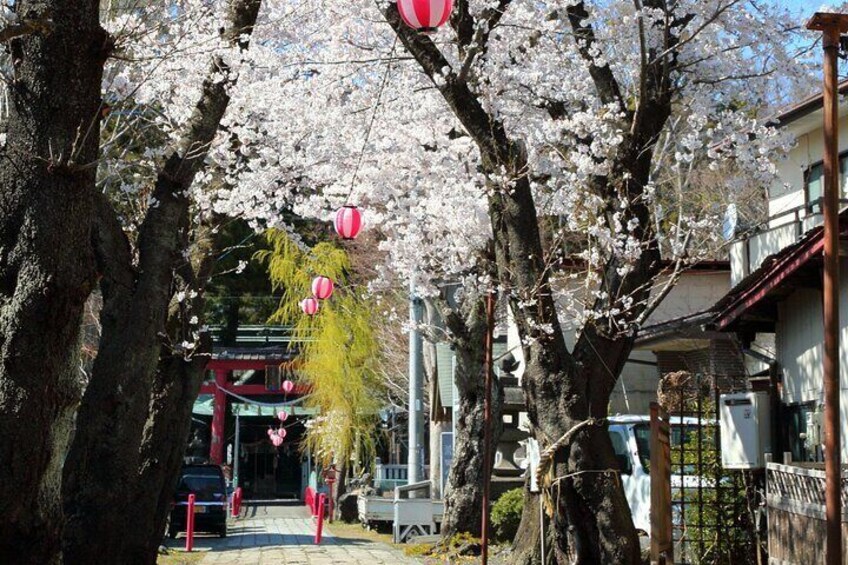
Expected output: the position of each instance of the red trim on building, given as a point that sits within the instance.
(219, 411)
(771, 274)
(772, 278)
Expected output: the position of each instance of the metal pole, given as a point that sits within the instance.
(831, 26)
(416, 389)
(237, 452)
(487, 424)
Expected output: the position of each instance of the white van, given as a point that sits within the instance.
(630, 435)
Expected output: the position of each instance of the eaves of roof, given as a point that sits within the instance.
(806, 106)
(771, 275)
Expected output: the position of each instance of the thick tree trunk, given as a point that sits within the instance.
(464, 496)
(341, 485)
(527, 547)
(163, 446)
(116, 404)
(46, 266)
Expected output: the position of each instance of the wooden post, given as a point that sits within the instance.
(219, 412)
(831, 26)
(662, 545)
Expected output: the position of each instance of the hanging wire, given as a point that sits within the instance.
(373, 119)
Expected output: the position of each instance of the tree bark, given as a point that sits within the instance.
(47, 177)
(464, 496)
(166, 433)
(527, 547)
(116, 405)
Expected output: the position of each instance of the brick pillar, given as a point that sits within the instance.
(216, 452)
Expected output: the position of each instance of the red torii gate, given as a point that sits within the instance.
(222, 385)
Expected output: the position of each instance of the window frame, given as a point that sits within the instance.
(808, 206)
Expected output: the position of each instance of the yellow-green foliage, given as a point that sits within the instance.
(338, 350)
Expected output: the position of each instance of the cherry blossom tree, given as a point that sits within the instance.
(594, 114)
(558, 131)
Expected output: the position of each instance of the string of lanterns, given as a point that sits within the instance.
(278, 435)
(348, 223)
(424, 16)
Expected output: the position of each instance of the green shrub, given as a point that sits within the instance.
(506, 514)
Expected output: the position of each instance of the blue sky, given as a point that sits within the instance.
(804, 7)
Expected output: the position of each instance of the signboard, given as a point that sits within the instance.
(447, 458)
(662, 551)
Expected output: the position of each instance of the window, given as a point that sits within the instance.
(680, 435)
(622, 454)
(814, 187)
(814, 183)
(795, 420)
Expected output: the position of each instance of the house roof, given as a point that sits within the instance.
(679, 334)
(806, 106)
(271, 354)
(751, 303)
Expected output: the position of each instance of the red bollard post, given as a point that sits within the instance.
(320, 529)
(190, 523)
(309, 498)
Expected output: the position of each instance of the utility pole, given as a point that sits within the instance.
(415, 464)
(832, 27)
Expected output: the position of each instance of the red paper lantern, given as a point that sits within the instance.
(425, 15)
(282, 415)
(348, 221)
(288, 386)
(282, 433)
(309, 306)
(322, 287)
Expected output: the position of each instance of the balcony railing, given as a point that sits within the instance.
(778, 232)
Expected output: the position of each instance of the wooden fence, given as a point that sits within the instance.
(796, 526)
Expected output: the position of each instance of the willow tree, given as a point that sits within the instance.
(337, 349)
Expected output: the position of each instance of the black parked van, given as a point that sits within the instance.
(211, 504)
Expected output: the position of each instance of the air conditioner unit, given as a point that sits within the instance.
(745, 420)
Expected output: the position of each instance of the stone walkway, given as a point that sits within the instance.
(284, 535)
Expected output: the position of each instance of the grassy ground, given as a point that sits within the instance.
(421, 551)
(180, 558)
(356, 531)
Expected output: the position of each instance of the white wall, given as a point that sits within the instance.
(694, 292)
(798, 342)
(808, 150)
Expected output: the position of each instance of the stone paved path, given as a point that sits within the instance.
(284, 535)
